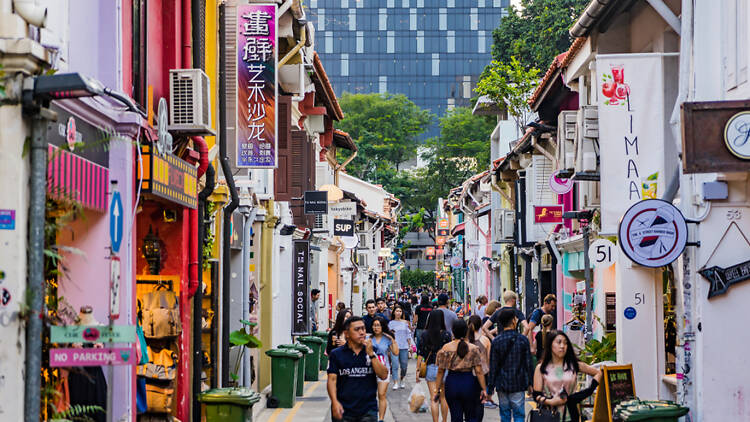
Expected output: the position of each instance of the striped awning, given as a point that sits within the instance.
(71, 177)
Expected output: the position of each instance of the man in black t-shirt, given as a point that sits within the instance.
(353, 370)
(421, 312)
(509, 300)
(548, 308)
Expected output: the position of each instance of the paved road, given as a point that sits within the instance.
(314, 406)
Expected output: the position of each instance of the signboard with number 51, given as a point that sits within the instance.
(603, 253)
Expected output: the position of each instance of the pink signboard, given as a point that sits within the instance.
(92, 356)
(256, 86)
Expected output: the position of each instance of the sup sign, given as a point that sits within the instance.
(343, 227)
(653, 233)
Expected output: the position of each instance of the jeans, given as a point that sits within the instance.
(462, 394)
(514, 403)
(432, 371)
(400, 360)
(418, 336)
(368, 417)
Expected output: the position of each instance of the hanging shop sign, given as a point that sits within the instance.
(345, 209)
(300, 283)
(722, 278)
(73, 134)
(343, 227)
(92, 334)
(442, 232)
(257, 54)
(169, 177)
(430, 252)
(443, 224)
(316, 202)
(91, 357)
(631, 132)
(456, 262)
(558, 185)
(603, 253)
(440, 240)
(653, 233)
(716, 136)
(548, 214)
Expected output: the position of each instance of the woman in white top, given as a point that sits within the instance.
(400, 328)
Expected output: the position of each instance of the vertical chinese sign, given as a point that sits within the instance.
(256, 86)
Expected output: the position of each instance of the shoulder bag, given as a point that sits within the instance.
(547, 414)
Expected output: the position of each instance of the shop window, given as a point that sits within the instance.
(611, 311)
(669, 292)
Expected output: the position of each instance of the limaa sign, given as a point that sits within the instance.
(300, 294)
(653, 233)
(631, 128)
(256, 86)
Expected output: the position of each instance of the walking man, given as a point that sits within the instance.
(510, 298)
(353, 370)
(314, 296)
(511, 371)
(449, 316)
(371, 314)
(548, 308)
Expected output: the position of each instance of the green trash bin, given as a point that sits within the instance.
(323, 335)
(229, 404)
(301, 366)
(312, 366)
(649, 411)
(284, 363)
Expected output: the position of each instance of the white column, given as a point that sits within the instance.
(282, 281)
(640, 340)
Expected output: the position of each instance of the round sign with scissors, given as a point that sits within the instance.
(737, 135)
(653, 233)
(558, 185)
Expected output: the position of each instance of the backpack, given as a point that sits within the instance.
(160, 314)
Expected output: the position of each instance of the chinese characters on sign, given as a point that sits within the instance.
(256, 86)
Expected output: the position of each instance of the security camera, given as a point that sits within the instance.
(31, 12)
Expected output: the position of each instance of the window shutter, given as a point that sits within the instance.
(281, 174)
(300, 174)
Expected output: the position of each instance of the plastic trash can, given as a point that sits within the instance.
(648, 410)
(229, 404)
(284, 364)
(312, 366)
(323, 335)
(301, 366)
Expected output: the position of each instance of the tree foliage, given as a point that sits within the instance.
(386, 128)
(536, 32)
(417, 278)
(463, 135)
(510, 84)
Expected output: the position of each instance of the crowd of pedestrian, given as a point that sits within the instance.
(465, 356)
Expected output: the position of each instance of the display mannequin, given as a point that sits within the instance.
(87, 383)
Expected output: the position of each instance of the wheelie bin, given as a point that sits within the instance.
(284, 363)
(323, 335)
(306, 351)
(648, 411)
(229, 404)
(312, 366)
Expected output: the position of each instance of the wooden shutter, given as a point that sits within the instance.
(301, 174)
(282, 183)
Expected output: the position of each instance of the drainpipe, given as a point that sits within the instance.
(341, 166)
(296, 48)
(499, 190)
(195, 247)
(232, 205)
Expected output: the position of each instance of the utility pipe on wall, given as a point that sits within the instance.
(232, 205)
(198, 298)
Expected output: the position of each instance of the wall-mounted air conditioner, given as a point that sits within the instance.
(587, 127)
(189, 102)
(566, 137)
(321, 224)
(504, 221)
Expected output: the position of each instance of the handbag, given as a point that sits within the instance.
(544, 414)
(422, 369)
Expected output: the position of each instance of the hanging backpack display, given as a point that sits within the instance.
(161, 315)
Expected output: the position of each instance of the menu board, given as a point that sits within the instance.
(617, 385)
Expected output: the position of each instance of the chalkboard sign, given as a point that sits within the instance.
(617, 385)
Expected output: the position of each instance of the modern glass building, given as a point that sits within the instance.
(433, 51)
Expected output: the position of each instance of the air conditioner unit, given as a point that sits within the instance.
(504, 221)
(321, 224)
(566, 137)
(587, 128)
(189, 102)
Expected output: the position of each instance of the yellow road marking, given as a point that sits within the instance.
(294, 410)
(274, 415)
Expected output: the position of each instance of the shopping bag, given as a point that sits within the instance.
(417, 396)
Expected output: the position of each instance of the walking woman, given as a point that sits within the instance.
(463, 390)
(400, 328)
(555, 377)
(383, 344)
(477, 338)
(432, 340)
(336, 337)
(541, 336)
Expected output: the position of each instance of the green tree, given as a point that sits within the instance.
(417, 278)
(536, 32)
(463, 135)
(386, 128)
(511, 84)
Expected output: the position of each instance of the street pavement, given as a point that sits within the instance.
(315, 406)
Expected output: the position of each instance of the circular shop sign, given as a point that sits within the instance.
(558, 185)
(603, 253)
(737, 135)
(630, 312)
(456, 262)
(653, 233)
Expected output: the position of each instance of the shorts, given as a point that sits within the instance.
(387, 380)
(431, 374)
